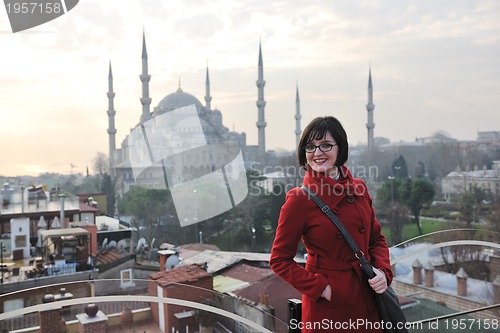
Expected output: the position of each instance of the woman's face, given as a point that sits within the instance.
(322, 158)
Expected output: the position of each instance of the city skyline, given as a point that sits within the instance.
(434, 68)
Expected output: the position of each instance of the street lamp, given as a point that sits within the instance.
(22, 197)
(195, 218)
(253, 239)
(61, 214)
(2, 250)
(391, 178)
(473, 213)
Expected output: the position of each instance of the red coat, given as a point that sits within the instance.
(330, 259)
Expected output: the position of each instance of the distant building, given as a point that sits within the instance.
(40, 206)
(489, 135)
(459, 181)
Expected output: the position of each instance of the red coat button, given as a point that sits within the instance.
(350, 199)
(361, 229)
(339, 235)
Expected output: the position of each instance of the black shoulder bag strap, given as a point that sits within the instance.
(367, 268)
(388, 305)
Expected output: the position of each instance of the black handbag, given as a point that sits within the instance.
(392, 317)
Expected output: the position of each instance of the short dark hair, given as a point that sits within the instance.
(316, 130)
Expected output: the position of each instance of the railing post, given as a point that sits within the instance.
(294, 315)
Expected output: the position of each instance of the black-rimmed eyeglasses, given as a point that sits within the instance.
(324, 147)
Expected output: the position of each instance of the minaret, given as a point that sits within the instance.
(369, 107)
(111, 119)
(261, 123)
(145, 77)
(297, 118)
(208, 98)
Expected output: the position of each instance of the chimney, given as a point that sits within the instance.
(92, 321)
(429, 275)
(417, 272)
(462, 282)
(163, 260)
(50, 320)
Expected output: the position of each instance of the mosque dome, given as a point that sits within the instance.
(177, 100)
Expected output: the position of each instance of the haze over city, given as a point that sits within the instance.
(434, 67)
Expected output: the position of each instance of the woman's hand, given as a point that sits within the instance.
(379, 281)
(327, 293)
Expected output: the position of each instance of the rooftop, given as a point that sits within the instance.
(183, 274)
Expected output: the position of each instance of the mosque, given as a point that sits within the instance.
(215, 133)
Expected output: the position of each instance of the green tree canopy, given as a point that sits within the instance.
(146, 206)
(413, 193)
(416, 193)
(399, 168)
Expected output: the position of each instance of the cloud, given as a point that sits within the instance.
(431, 62)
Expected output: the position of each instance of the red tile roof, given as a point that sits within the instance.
(278, 293)
(247, 273)
(183, 274)
(108, 256)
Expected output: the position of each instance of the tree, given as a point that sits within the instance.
(420, 171)
(100, 165)
(390, 204)
(468, 203)
(108, 187)
(147, 206)
(398, 216)
(400, 168)
(494, 216)
(415, 193)
(277, 200)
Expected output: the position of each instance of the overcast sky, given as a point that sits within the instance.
(435, 66)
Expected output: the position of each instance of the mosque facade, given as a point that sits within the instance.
(211, 121)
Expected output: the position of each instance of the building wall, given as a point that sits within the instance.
(186, 293)
(20, 229)
(197, 291)
(249, 311)
(455, 302)
(459, 181)
(48, 280)
(494, 267)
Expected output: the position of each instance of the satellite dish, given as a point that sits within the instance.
(121, 245)
(164, 246)
(172, 261)
(55, 223)
(141, 243)
(112, 244)
(105, 243)
(41, 223)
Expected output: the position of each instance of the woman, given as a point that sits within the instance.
(336, 296)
